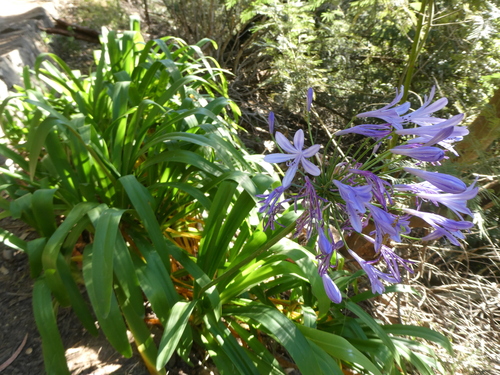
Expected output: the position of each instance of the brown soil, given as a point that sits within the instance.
(86, 354)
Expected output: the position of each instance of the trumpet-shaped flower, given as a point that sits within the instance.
(374, 275)
(327, 246)
(355, 198)
(390, 113)
(380, 188)
(387, 224)
(311, 202)
(295, 156)
(455, 202)
(368, 130)
(271, 205)
(331, 289)
(422, 116)
(443, 226)
(445, 182)
(392, 260)
(419, 152)
(439, 127)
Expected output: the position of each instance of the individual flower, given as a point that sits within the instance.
(294, 157)
(389, 113)
(312, 216)
(327, 246)
(374, 275)
(331, 289)
(421, 187)
(310, 94)
(271, 206)
(387, 224)
(270, 121)
(380, 188)
(455, 202)
(445, 182)
(368, 130)
(422, 116)
(443, 226)
(392, 260)
(355, 198)
(419, 152)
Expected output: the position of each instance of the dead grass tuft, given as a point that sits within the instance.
(459, 296)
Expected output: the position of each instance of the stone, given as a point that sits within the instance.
(20, 44)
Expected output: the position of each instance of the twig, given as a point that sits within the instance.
(12, 358)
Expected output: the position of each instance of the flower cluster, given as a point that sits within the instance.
(348, 195)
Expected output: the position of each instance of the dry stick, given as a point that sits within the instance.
(6, 364)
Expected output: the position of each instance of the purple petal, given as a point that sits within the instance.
(298, 140)
(278, 158)
(290, 174)
(310, 168)
(368, 130)
(311, 151)
(285, 143)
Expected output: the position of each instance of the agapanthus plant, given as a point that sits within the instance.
(344, 194)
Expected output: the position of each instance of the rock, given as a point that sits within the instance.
(20, 44)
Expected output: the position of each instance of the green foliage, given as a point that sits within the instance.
(139, 167)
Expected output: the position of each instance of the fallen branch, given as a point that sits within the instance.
(78, 32)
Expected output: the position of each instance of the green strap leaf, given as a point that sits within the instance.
(106, 230)
(53, 247)
(53, 349)
(338, 347)
(174, 329)
(143, 203)
(422, 332)
(112, 324)
(285, 332)
(376, 327)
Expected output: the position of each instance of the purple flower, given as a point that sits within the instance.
(270, 205)
(379, 187)
(455, 202)
(445, 182)
(391, 259)
(331, 289)
(310, 94)
(387, 224)
(388, 114)
(295, 156)
(422, 115)
(355, 198)
(374, 275)
(326, 245)
(432, 130)
(270, 121)
(419, 152)
(311, 202)
(368, 130)
(442, 225)
(422, 187)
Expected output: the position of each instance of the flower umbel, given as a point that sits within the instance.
(357, 192)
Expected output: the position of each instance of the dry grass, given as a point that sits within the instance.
(459, 296)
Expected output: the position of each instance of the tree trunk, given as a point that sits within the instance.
(483, 131)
